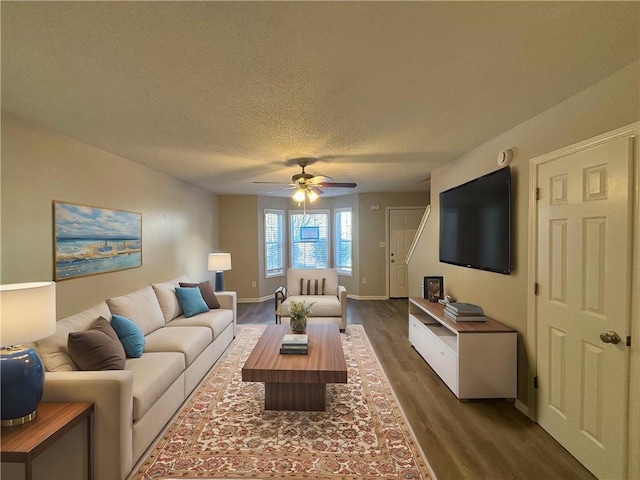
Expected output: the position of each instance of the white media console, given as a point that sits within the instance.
(474, 359)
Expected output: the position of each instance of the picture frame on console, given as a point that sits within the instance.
(433, 288)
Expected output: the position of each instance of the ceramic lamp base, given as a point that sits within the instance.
(22, 383)
(219, 281)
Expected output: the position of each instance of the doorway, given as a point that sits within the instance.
(402, 227)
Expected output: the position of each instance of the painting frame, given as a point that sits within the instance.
(433, 288)
(90, 240)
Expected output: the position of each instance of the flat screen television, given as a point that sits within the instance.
(475, 223)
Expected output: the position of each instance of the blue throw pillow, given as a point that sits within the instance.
(191, 301)
(129, 334)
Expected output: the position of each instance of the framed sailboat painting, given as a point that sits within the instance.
(93, 240)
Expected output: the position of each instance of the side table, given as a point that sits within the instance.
(23, 443)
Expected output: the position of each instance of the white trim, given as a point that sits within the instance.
(522, 407)
(372, 297)
(416, 238)
(628, 131)
(634, 361)
(275, 211)
(256, 300)
(341, 271)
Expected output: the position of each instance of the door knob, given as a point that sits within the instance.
(610, 337)
(392, 260)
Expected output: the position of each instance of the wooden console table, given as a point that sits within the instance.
(474, 359)
(23, 443)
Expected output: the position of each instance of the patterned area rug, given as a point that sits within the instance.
(224, 432)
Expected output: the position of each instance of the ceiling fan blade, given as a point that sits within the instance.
(337, 184)
(273, 183)
(318, 179)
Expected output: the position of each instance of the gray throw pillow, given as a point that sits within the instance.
(97, 348)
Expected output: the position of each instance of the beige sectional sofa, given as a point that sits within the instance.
(133, 405)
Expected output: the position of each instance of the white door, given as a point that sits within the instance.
(403, 227)
(584, 246)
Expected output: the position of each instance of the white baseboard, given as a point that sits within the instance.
(256, 300)
(522, 407)
(372, 297)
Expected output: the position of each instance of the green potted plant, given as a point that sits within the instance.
(299, 311)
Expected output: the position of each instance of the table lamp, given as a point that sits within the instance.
(219, 262)
(27, 314)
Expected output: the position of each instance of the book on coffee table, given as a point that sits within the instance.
(297, 344)
(295, 339)
(294, 350)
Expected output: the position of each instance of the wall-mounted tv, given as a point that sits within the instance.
(475, 223)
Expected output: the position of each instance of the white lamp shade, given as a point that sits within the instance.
(219, 262)
(27, 312)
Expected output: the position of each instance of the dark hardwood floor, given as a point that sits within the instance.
(462, 440)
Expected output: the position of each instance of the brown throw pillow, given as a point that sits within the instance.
(207, 293)
(312, 287)
(98, 348)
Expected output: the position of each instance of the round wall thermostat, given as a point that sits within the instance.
(505, 156)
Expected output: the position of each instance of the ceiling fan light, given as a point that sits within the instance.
(312, 195)
(298, 196)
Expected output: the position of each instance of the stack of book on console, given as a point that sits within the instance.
(464, 312)
(296, 344)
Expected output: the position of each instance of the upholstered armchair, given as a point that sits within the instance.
(319, 286)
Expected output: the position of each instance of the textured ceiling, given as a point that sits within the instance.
(222, 93)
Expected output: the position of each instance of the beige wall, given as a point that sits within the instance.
(372, 226)
(179, 221)
(239, 236)
(608, 105)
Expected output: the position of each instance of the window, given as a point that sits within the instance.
(309, 239)
(343, 241)
(274, 242)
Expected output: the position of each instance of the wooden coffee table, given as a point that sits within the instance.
(297, 382)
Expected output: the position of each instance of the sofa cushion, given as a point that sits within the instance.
(190, 341)
(216, 320)
(312, 286)
(129, 334)
(206, 289)
(167, 298)
(191, 301)
(98, 348)
(329, 274)
(140, 306)
(153, 374)
(53, 349)
(323, 305)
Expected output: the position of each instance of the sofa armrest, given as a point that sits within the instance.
(342, 294)
(229, 301)
(112, 395)
(280, 296)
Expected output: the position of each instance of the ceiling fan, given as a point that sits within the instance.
(306, 185)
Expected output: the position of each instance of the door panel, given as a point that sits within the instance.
(583, 270)
(403, 227)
